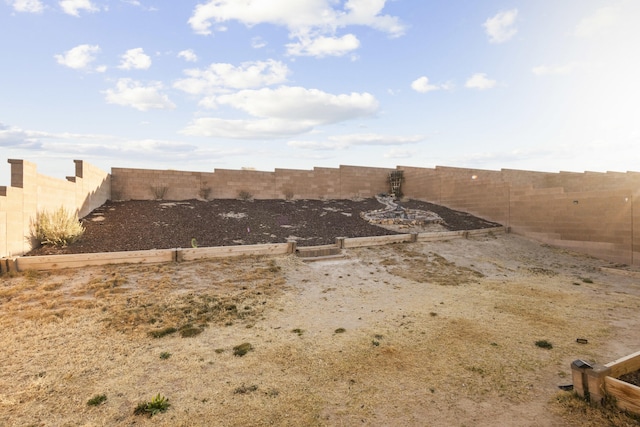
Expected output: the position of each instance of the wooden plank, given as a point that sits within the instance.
(12, 266)
(484, 231)
(357, 242)
(230, 251)
(439, 235)
(627, 395)
(624, 365)
(51, 262)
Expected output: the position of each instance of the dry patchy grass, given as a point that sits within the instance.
(410, 351)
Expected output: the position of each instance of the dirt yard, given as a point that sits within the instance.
(421, 334)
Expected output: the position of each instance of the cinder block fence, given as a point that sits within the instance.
(594, 213)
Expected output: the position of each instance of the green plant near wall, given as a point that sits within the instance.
(58, 228)
(204, 191)
(245, 195)
(159, 191)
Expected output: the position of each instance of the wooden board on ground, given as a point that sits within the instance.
(52, 262)
(357, 242)
(229, 251)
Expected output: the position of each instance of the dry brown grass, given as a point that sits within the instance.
(413, 352)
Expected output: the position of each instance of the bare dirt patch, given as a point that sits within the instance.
(376, 338)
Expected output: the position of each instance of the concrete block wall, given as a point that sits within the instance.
(31, 192)
(319, 183)
(595, 213)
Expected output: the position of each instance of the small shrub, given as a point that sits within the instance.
(242, 349)
(162, 332)
(96, 400)
(245, 195)
(58, 228)
(245, 389)
(340, 331)
(190, 331)
(159, 191)
(204, 191)
(288, 194)
(153, 407)
(297, 331)
(165, 355)
(544, 344)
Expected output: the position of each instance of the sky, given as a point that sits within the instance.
(544, 85)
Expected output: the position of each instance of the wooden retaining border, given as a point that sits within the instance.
(231, 251)
(595, 383)
(53, 262)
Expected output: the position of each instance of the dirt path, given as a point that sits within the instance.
(435, 334)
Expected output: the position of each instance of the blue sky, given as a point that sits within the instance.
(547, 85)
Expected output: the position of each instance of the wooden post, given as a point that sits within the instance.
(595, 382)
(579, 375)
(291, 246)
(340, 242)
(12, 266)
(4, 269)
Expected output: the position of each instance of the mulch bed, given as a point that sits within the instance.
(159, 224)
(631, 378)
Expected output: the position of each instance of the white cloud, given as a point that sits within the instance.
(324, 46)
(258, 43)
(313, 23)
(188, 55)
(422, 85)
(480, 81)
(246, 129)
(80, 57)
(601, 20)
(298, 103)
(135, 59)
(29, 6)
(395, 153)
(283, 112)
(220, 77)
(72, 7)
(18, 138)
(501, 27)
(544, 70)
(340, 142)
(131, 93)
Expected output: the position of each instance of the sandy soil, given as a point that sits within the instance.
(433, 334)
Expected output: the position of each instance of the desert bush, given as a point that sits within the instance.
(58, 228)
(97, 400)
(153, 407)
(159, 191)
(245, 195)
(204, 191)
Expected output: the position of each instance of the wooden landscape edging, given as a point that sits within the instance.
(596, 382)
(52, 262)
(239, 250)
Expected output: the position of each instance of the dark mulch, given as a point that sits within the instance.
(631, 378)
(153, 224)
